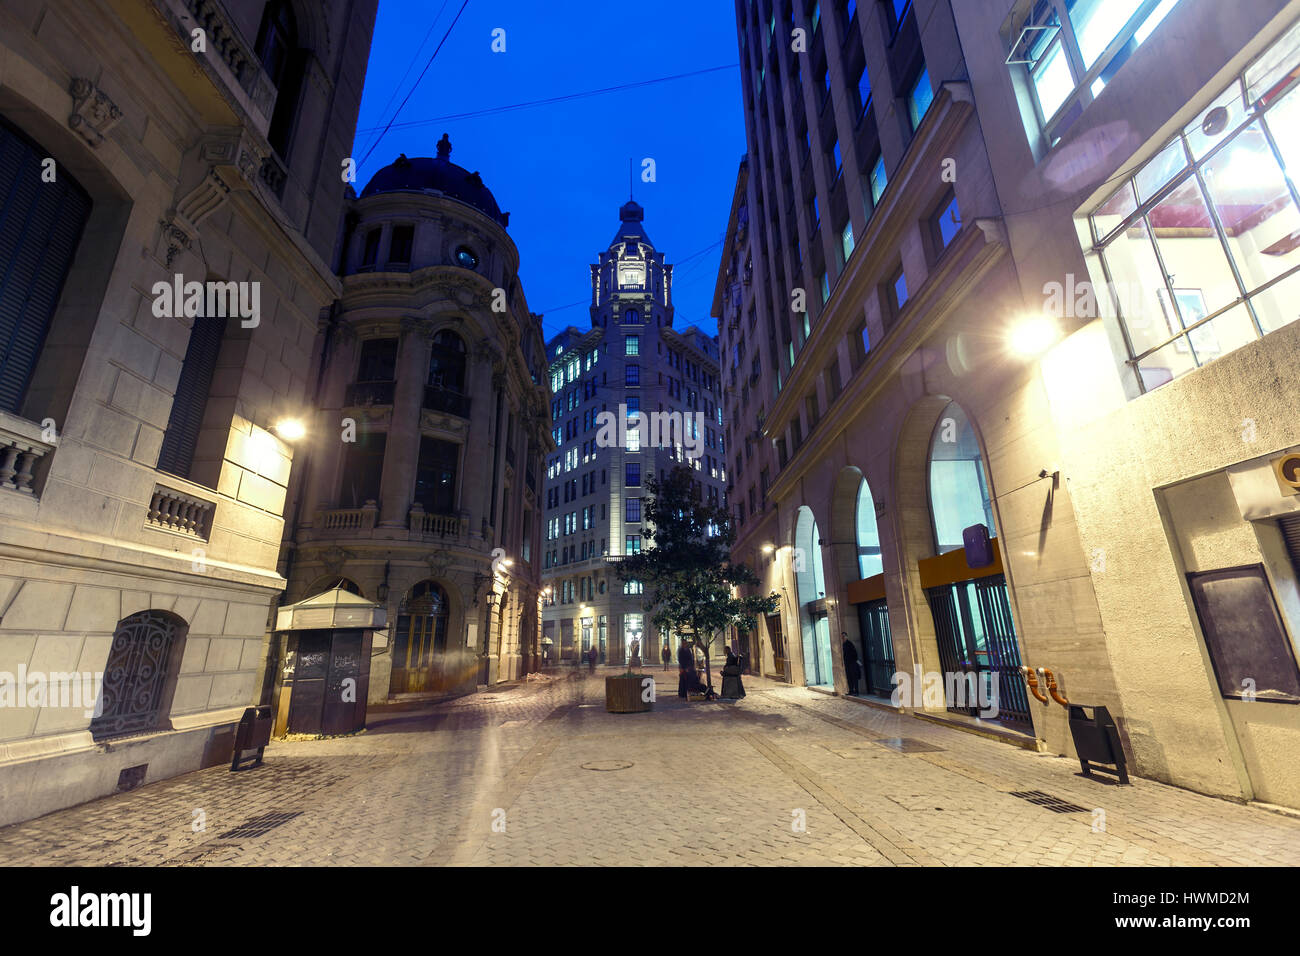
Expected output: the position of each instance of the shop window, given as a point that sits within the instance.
(959, 490)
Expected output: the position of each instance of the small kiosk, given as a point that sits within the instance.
(326, 674)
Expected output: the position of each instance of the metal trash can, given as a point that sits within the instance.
(254, 733)
(1096, 741)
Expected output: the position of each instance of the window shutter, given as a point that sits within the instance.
(182, 435)
(40, 226)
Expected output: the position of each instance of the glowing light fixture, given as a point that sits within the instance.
(769, 548)
(1033, 335)
(290, 429)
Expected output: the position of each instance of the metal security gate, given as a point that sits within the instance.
(878, 647)
(976, 636)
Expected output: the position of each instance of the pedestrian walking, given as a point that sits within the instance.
(591, 660)
(666, 654)
(732, 687)
(852, 667)
(685, 671)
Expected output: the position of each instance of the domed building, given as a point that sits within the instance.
(421, 495)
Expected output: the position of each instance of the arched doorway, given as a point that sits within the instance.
(810, 586)
(970, 605)
(420, 645)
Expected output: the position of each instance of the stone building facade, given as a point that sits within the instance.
(423, 488)
(144, 147)
(631, 368)
(945, 185)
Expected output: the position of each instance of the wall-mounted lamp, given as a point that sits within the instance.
(1032, 335)
(290, 429)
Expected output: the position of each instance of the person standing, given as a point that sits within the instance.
(666, 654)
(852, 667)
(591, 660)
(732, 687)
(685, 671)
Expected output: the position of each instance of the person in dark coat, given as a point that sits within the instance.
(667, 655)
(852, 668)
(732, 688)
(685, 671)
(591, 660)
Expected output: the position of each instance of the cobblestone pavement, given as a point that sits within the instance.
(498, 779)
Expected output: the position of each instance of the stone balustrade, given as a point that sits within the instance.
(175, 511)
(348, 520)
(18, 457)
(440, 526)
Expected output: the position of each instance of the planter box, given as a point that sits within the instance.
(623, 694)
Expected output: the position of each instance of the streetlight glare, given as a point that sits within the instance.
(1033, 335)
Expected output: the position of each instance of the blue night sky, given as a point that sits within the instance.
(561, 169)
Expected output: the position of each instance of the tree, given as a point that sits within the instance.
(689, 578)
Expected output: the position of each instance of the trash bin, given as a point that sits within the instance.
(254, 733)
(1096, 741)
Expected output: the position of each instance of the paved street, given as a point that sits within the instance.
(498, 779)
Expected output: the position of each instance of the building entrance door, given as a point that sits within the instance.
(877, 648)
(977, 645)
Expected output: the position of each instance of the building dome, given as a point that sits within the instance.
(437, 175)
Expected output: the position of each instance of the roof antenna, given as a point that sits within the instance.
(630, 179)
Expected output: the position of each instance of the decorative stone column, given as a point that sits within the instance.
(476, 463)
(402, 450)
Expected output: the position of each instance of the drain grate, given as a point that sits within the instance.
(1055, 804)
(259, 826)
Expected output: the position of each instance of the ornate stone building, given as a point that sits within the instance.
(422, 493)
(632, 362)
(148, 148)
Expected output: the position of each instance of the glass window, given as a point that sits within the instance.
(632, 474)
(399, 247)
(878, 180)
(900, 289)
(959, 491)
(632, 375)
(864, 88)
(1188, 252)
(846, 240)
(632, 510)
(632, 345)
(633, 542)
(948, 222)
(870, 562)
(919, 100)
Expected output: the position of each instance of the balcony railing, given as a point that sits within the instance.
(445, 400)
(176, 511)
(348, 520)
(437, 525)
(369, 393)
(18, 457)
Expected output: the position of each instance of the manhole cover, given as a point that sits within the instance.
(907, 745)
(606, 765)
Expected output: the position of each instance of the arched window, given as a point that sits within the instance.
(285, 65)
(959, 490)
(447, 362)
(140, 676)
(868, 535)
(40, 227)
(421, 639)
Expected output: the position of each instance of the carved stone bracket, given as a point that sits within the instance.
(235, 156)
(93, 113)
(176, 238)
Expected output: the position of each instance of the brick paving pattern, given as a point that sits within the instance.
(497, 779)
